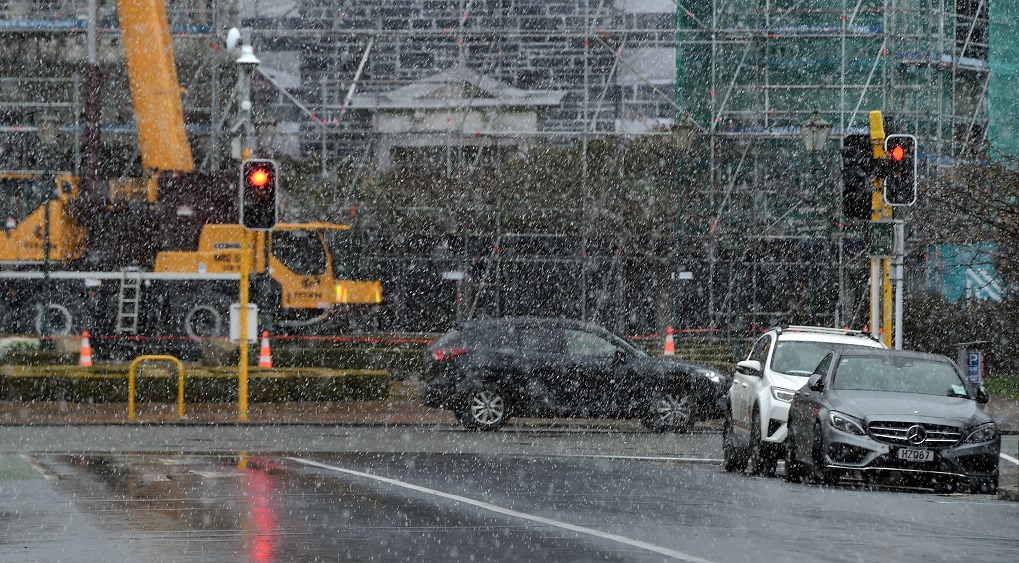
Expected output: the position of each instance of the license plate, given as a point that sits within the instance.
(916, 455)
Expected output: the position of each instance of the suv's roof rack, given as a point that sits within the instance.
(824, 330)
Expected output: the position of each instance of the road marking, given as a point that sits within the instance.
(46, 473)
(1007, 457)
(647, 458)
(513, 513)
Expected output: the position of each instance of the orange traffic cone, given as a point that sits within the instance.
(264, 356)
(85, 360)
(670, 343)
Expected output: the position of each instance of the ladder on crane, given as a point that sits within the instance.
(129, 300)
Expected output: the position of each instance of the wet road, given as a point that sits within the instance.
(439, 494)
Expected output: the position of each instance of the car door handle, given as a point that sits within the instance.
(744, 384)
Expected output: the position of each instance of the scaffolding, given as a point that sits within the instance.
(760, 232)
(753, 71)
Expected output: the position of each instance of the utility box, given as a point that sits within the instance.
(235, 323)
(971, 359)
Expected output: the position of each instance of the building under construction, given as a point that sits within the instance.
(745, 227)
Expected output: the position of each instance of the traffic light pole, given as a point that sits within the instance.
(242, 365)
(880, 275)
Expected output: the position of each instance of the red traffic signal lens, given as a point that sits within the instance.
(898, 153)
(258, 177)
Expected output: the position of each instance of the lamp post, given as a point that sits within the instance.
(815, 133)
(247, 62)
(47, 128)
(683, 134)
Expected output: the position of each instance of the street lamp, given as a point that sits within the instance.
(47, 128)
(815, 131)
(815, 134)
(683, 135)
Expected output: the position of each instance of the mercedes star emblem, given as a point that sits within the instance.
(916, 435)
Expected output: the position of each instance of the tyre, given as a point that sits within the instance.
(821, 474)
(60, 317)
(793, 467)
(761, 461)
(669, 411)
(205, 315)
(484, 408)
(734, 460)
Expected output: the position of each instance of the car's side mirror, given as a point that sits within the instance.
(982, 396)
(750, 367)
(815, 383)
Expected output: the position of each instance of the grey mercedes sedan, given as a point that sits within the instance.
(894, 418)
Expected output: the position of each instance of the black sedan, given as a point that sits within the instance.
(892, 418)
(489, 370)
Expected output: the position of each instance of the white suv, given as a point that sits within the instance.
(763, 386)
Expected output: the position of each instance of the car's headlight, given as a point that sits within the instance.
(846, 423)
(783, 394)
(983, 433)
(712, 376)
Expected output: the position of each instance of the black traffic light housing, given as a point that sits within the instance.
(259, 194)
(858, 172)
(900, 170)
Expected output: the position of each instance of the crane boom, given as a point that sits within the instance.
(155, 92)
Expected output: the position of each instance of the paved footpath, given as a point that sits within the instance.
(402, 408)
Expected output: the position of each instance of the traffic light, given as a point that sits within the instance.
(857, 177)
(259, 196)
(900, 169)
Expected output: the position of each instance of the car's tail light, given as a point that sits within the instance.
(443, 354)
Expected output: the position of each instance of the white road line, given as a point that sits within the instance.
(646, 458)
(1007, 457)
(509, 512)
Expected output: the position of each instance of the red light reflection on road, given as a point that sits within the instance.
(262, 525)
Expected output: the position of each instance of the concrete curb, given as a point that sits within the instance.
(1008, 493)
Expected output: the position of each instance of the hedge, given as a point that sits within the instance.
(401, 362)
(109, 384)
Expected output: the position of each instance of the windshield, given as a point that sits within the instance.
(794, 357)
(21, 196)
(350, 261)
(902, 376)
(300, 251)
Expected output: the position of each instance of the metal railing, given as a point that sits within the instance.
(131, 383)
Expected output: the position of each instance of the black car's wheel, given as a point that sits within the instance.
(793, 467)
(762, 460)
(669, 411)
(821, 474)
(734, 459)
(484, 408)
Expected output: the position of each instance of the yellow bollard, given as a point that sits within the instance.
(130, 383)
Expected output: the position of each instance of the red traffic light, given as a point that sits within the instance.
(898, 153)
(259, 195)
(259, 176)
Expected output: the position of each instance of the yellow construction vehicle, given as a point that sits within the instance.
(159, 255)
